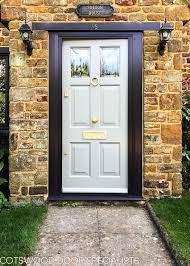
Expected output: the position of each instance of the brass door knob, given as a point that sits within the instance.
(94, 120)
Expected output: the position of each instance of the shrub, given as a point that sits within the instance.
(3, 200)
(186, 139)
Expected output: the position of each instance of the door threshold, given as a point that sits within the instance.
(94, 197)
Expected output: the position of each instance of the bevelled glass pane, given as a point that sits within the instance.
(80, 62)
(110, 61)
(2, 90)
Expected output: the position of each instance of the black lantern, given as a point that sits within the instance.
(26, 34)
(165, 35)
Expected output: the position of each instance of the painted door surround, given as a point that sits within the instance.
(94, 118)
(56, 38)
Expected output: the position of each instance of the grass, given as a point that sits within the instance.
(174, 215)
(19, 230)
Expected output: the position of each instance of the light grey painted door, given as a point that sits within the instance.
(95, 80)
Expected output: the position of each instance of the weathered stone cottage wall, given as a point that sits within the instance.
(29, 93)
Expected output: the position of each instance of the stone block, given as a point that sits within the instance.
(39, 135)
(150, 87)
(26, 145)
(171, 76)
(156, 184)
(154, 116)
(38, 190)
(149, 168)
(130, 9)
(17, 59)
(166, 158)
(41, 178)
(178, 61)
(40, 72)
(11, 2)
(152, 139)
(12, 13)
(45, 17)
(171, 133)
(41, 144)
(151, 100)
(118, 17)
(174, 46)
(148, 2)
(22, 161)
(162, 150)
(36, 62)
(170, 168)
(151, 193)
(24, 191)
(27, 179)
(125, 2)
(177, 185)
(60, 17)
(174, 116)
(55, 2)
(32, 2)
(153, 9)
(13, 141)
(177, 153)
(155, 17)
(177, 13)
(154, 176)
(21, 94)
(153, 159)
(137, 17)
(148, 150)
(170, 101)
(40, 106)
(14, 184)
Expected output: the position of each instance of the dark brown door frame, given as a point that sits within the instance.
(58, 32)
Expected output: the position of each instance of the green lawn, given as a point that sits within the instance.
(19, 229)
(174, 215)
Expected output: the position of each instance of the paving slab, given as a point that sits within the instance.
(121, 235)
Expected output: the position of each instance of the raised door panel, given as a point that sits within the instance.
(110, 159)
(80, 112)
(110, 106)
(80, 159)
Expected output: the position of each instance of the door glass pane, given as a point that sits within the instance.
(2, 90)
(110, 61)
(80, 62)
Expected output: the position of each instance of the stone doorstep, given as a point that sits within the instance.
(97, 203)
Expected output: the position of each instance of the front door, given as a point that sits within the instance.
(95, 116)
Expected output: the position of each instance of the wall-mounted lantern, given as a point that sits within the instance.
(26, 34)
(165, 35)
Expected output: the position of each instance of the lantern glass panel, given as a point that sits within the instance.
(25, 36)
(166, 35)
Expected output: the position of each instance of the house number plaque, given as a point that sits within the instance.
(94, 11)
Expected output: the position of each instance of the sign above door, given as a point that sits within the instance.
(94, 11)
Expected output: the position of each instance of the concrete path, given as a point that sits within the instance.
(99, 236)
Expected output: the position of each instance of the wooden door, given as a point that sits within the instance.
(94, 116)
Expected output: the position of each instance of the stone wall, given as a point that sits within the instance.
(29, 93)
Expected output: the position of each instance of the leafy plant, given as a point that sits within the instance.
(186, 138)
(2, 180)
(3, 201)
